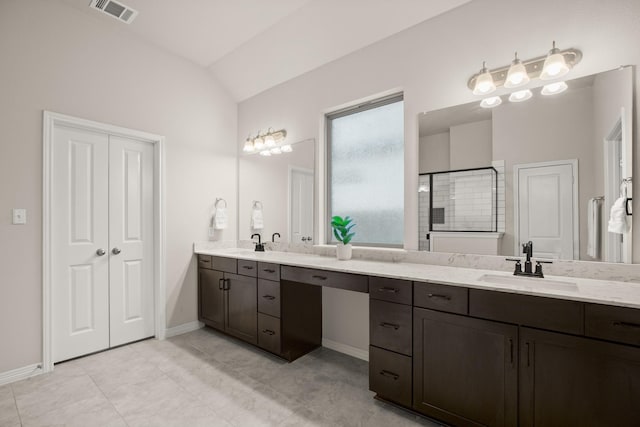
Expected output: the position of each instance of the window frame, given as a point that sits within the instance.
(328, 119)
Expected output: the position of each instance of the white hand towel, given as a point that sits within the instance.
(257, 221)
(593, 227)
(618, 217)
(220, 219)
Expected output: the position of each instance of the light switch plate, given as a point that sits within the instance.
(19, 216)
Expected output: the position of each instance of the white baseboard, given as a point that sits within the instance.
(346, 349)
(20, 373)
(183, 329)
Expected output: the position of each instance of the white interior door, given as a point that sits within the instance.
(301, 201)
(130, 240)
(546, 209)
(102, 242)
(80, 232)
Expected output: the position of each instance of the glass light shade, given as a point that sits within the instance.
(520, 96)
(484, 83)
(286, 149)
(276, 150)
(265, 153)
(248, 146)
(554, 88)
(517, 75)
(258, 143)
(269, 141)
(423, 189)
(494, 101)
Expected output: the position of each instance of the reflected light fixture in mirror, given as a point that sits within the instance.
(554, 88)
(494, 101)
(517, 75)
(555, 65)
(484, 82)
(286, 148)
(520, 96)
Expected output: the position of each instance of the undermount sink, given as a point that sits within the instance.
(533, 282)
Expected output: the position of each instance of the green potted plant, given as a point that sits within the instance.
(342, 231)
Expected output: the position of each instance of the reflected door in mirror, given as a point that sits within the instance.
(301, 215)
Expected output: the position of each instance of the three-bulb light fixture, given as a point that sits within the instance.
(553, 66)
(268, 143)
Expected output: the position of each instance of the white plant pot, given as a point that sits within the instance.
(343, 252)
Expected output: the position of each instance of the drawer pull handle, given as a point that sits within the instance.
(221, 284)
(269, 270)
(268, 332)
(626, 325)
(388, 374)
(319, 277)
(269, 297)
(385, 289)
(247, 267)
(390, 325)
(445, 297)
(205, 261)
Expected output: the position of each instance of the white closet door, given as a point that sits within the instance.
(131, 240)
(80, 276)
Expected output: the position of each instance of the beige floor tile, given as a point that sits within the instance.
(96, 412)
(8, 411)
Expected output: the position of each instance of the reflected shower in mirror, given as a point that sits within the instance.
(562, 162)
(283, 184)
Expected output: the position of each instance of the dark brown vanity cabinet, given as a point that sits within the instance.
(227, 301)
(465, 371)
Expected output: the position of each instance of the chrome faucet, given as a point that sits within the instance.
(259, 245)
(527, 249)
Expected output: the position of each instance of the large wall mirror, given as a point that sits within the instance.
(560, 163)
(282, 187)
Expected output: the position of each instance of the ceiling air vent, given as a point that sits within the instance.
(115, 10)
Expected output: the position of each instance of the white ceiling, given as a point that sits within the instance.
(253, 45)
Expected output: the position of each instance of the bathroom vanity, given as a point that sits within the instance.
(465, 346)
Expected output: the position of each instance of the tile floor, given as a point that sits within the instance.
(202, 378)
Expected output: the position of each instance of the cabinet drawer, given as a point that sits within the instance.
(441, 297)
(538, 312)
(269, 333)
(228, 265)
(269, 271)
(248, 268)
(390, 326)
(330, 279)
(269, 297)
(393, 290)
(204, 261)
(390, 375)
(612, 323)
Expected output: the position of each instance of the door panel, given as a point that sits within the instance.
(301, 205)
(211, 297)
(79, 214)
(131, 240)
(242, 307)
(546, 210)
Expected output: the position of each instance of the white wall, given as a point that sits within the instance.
(57, 58)
(433, 74)
(470, 145)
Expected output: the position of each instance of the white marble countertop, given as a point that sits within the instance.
(623, 294)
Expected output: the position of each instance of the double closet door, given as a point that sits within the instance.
(102, 244)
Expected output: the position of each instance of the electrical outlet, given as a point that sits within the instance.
(19, 216)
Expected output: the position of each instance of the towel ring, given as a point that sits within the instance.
(218, 200)
(257, 204)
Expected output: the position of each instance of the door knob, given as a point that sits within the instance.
(100, 252)
(115, 251)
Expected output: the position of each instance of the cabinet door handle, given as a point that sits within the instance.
(390, 325)
(386, 289)
(269, 297)
(388, 374)
(511, 350)
(268, 332)
(445, 297)
(626, 325)
(221, 284)
(527, 345)
(319, 277)
(269, 270)
(247, 267)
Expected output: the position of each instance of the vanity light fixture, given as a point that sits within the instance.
(554, 88)
(276, 150)
(494, 101)
(520, 96)
(286, 149)
(517, 75)
(258, 142)
(484, 82)
(265, 153)
(248, 145)
(555, 65)
(267, 143)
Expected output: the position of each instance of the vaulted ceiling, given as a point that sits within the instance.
(253, 45)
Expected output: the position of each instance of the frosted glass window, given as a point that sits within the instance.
(366, 171)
